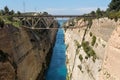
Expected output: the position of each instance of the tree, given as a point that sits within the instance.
(114, 5)
(6, 10)
(45, 13)
(11, 12)
(98, 13)
(18, 12)
(92, 13)
(2, 12)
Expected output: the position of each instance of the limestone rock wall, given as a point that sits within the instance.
(80, 65)
(111, 64)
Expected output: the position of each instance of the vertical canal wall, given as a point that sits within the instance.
(25, 53)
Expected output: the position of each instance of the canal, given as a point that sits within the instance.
(57, 69)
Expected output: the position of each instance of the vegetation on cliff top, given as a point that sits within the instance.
(114, 5)
(113, 11)
(5, 17)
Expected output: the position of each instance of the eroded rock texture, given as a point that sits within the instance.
(24, 53)
(84, 62)
(111, 63)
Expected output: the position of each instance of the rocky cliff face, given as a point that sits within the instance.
(111, 64)
(86, 48)
(24, 53)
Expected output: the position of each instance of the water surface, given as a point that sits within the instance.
(57, 68)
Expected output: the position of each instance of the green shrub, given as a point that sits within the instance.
(93, 40)
(86, 57)
(10, 18)
(77, 44)
(16, 24)
(91, 52)
(80, 57)
(85, 46)
(88, 50)
(90, 34)
(114, 15)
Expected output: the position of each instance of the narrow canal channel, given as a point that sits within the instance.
(57, 68)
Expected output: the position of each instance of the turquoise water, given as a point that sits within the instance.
(57, 68)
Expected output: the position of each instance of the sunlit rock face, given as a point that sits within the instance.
(111, 62)
(79, 65)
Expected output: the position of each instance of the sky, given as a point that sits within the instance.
(55, 6)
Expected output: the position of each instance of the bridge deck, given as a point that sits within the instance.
(56, 16)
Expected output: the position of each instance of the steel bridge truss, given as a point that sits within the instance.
(45, 21)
